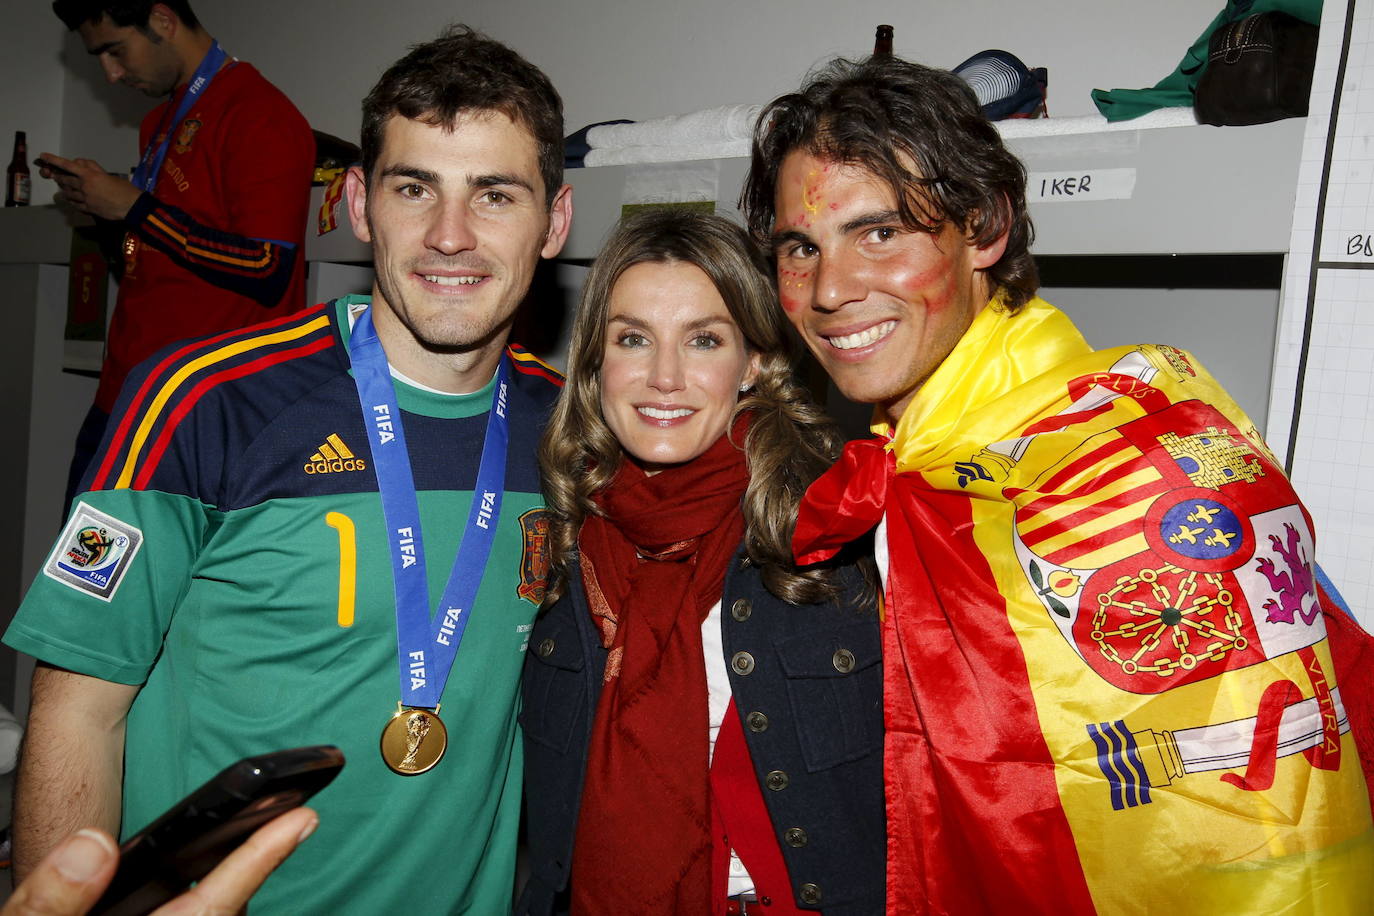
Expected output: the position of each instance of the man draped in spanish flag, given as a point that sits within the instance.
(1109, 682)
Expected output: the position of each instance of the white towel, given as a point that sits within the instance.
(1017, 128)
(673, 140)
(729, 122)
(630, 155)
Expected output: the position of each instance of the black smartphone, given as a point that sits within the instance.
(191, 837)
(51, 167)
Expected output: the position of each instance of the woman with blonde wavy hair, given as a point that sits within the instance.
(703, 721)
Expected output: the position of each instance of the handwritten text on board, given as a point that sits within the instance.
(1080, 185)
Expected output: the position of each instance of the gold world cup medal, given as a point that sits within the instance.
(414, 741)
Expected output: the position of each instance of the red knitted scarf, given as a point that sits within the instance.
(653, 567)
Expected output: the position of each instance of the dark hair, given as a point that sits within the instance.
(74, 13)
(464, 71)
(921, 131)
(789, 444)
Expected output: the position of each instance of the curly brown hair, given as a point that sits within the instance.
(919, 130)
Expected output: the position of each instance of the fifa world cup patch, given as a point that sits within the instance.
(94, 552)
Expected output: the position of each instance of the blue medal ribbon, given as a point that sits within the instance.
(426, 644)
(145, 176)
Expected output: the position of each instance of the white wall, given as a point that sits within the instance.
(32, 88)
(628, 58)
(53, 91)
(614, 58)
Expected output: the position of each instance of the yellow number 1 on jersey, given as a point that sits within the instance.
(348, 564)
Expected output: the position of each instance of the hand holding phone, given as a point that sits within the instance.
(190, 838)
(72, 876)
(83, 184)
(52, 167)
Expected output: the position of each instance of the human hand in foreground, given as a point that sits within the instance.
(89, 188)
(71, 878)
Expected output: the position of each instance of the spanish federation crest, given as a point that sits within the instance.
(94, 552)
(187, 135)
(534, 555)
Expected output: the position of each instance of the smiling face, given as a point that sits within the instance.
(880, 305)
(140, 59)
(457, 221)
(673, 366)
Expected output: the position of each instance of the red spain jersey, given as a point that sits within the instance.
(239, 163)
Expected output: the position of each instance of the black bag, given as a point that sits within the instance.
(1259, 69)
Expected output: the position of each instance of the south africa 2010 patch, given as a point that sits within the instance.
(94, 552)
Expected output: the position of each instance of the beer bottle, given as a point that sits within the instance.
(882, 41)
(17, 179)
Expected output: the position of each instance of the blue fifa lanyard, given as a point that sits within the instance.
(425, 647)
(145, 176)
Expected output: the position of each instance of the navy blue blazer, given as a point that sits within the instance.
(807, 682)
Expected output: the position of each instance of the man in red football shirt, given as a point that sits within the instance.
(215, 214)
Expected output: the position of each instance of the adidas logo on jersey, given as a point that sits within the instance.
(334, 457)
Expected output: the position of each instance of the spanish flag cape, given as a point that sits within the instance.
(1108, 683)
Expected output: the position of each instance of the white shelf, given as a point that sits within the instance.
(1198, 190)
(1204, 190)
(36, 235)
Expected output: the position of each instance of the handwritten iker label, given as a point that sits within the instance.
(1083, 184)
